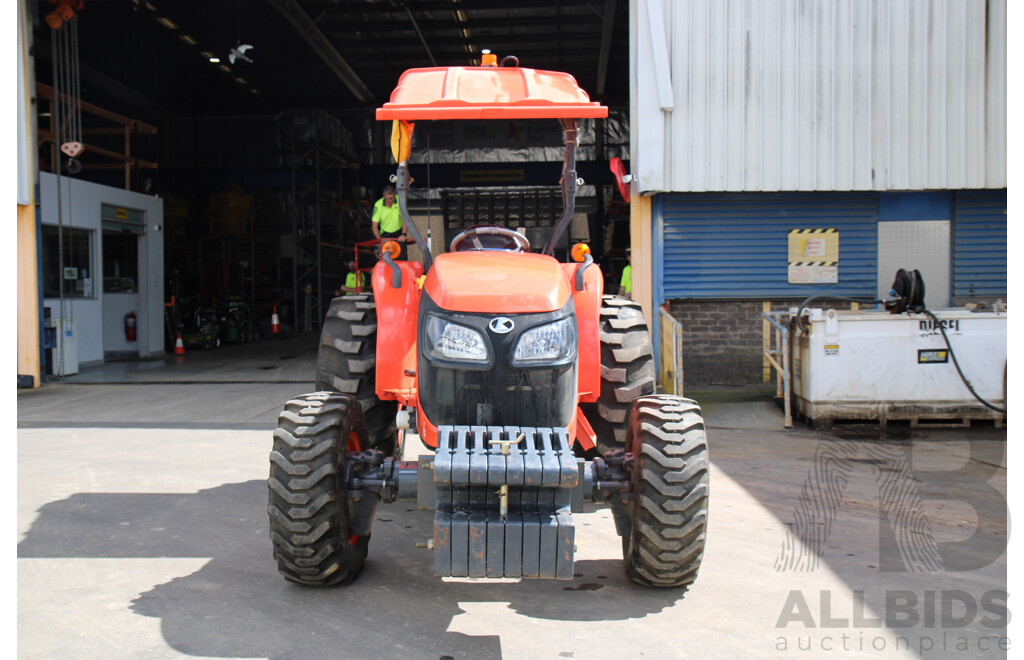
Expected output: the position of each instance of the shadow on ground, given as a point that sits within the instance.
(238, 606)
(919, 512)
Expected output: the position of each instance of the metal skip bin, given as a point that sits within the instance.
(873, 365)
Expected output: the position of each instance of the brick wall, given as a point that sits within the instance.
(723, 339)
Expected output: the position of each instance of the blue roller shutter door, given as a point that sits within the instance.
(979, 244)
(737, 246)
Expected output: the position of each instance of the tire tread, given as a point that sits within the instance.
(627, 371)
(306, 508)
(346, 363)
(670, 492)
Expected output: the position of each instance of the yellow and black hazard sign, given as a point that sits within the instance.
(813, 256)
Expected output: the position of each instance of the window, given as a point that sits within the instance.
(76, 278)
(120, 262)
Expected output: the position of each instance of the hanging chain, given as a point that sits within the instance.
(76, 83)
(57, 119)
(68, 92)
(67, 128)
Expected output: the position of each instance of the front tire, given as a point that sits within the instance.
(670, 492)
(627, 371)
(310, 515)
(347, 363)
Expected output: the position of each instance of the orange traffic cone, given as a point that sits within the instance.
(275, 323)
(179, 347)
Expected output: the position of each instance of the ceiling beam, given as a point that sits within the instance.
(92, 76)
(323, 47)
(579, 23)
(423, 39)
(502, 47)
(444, 6)
(606, 45)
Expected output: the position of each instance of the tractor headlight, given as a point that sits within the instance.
(458, 343)
(552, 343)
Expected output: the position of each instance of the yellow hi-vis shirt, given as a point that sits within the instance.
(353, 280)
(627, 279)
(390, 219)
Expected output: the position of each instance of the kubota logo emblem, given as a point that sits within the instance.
(501, 325)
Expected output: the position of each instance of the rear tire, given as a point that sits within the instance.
(627, 371)
(309, 513)
(670, 492)
(347, 363)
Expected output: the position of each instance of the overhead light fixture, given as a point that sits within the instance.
(215, 60)
(224, 67)
(241, 81)
(188, 39)
(462, 24)
(167, 23)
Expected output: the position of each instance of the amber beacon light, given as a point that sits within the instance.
(580, 252)
(392, 249)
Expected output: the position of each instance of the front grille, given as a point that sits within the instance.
(502, 396)
(499, 394)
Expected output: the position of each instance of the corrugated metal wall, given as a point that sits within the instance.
(979, 245)
(737, 246)
(767, 95)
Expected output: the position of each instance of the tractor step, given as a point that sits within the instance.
(503, 507)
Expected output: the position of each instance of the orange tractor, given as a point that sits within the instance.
(534, 390)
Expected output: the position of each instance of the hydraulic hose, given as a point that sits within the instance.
(956, 362)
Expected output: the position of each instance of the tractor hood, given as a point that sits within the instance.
(497, 282)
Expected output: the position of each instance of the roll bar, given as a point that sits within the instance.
(401, 181)
(491, 92)
(569, 184)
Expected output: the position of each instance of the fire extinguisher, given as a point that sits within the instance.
(129, 326)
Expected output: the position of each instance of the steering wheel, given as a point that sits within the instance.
(489, 237)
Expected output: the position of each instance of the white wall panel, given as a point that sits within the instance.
(917, 93)
(821, 95)
(995, 94)
(770, 111)
(860, 171)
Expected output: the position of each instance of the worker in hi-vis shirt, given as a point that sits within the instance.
(355, 281)
(387, 218)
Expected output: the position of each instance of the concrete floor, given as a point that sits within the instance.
(143, 534)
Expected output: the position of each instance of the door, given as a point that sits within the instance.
(916, 244)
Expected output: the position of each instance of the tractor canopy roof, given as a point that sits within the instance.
(487, 92)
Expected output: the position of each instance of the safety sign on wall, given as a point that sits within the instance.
(813, 256)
